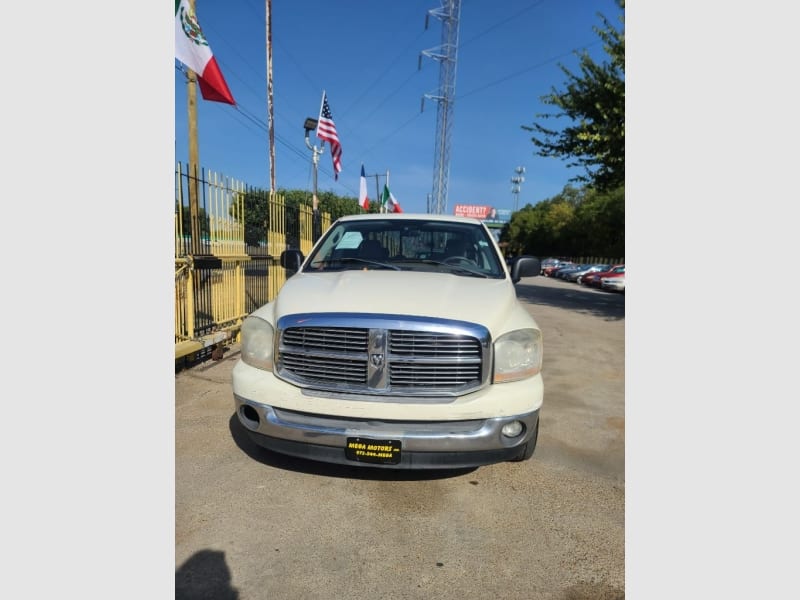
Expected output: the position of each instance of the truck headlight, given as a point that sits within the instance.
(257, 343)
(517, 355)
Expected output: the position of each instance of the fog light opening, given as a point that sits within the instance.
(249, 414)
(513, 429)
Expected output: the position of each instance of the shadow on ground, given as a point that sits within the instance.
(310, 467)
(205, 576)
(572, 296)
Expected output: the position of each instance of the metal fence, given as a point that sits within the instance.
(231, 266)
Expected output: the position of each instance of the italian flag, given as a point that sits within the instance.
(191, 48)
(389, 202)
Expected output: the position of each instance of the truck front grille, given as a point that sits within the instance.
(388, 355)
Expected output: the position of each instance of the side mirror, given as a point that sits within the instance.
(524, 266)
(291, 260)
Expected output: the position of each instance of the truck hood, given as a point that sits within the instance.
(473, 299)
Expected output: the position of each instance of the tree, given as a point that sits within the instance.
(594, 103)
(599, 224)
(257, 215)
(186, 220)
(576, 222)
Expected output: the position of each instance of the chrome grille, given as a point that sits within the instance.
(389, 355)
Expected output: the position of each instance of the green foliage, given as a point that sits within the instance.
(339, 206)
(594, 104)
(576, 222)
(256, 216)
(256, 209)
(336, 206)
(186, 220)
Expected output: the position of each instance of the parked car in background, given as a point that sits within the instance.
(613, 284)
(593, 279)
(548, 262)
(576, 274)
(549, 271)
(563, 272)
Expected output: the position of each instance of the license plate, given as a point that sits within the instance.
(381, 452)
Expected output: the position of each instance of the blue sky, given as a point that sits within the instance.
(366, 55)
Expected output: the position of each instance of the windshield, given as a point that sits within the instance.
(407, 245)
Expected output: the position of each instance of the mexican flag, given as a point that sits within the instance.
(389, 202)
(191, 48)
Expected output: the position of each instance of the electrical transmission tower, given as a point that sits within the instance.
(448, 13)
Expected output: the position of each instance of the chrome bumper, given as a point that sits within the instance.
(435, 444)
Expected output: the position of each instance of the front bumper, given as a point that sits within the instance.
(424, 444)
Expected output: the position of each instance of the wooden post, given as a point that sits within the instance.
(272, 185)
(194, 157)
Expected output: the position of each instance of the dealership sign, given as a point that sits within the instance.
(484, 212)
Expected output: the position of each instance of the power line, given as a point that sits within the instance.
(261, 125)
(381, 76)
(387, 136)
(523, 71)
(503, 22)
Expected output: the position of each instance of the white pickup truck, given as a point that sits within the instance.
(398, 342)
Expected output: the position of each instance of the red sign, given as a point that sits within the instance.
(474, 211)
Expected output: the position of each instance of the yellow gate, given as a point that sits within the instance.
(217, 288)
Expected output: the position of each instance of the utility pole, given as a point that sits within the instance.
(272, 185)
(194, 156)
(377, 176)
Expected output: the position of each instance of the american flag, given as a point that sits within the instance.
(326, 130)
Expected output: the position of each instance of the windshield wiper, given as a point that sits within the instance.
(376, 263)
(451, 266)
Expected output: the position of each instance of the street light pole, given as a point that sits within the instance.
(316, 220)
(516, 183)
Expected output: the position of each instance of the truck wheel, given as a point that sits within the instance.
(527, 450)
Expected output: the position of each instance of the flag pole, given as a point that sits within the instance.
(388, 189)
(194, 155)
(314, 199)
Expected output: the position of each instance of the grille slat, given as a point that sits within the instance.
(423, 375)
(432, 344)
(326, 369)
(352, 340)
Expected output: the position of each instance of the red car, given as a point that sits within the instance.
(549, 270)
(593, 279)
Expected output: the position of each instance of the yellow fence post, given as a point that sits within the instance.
(190, 301)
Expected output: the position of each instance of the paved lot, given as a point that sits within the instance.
(255, 525)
